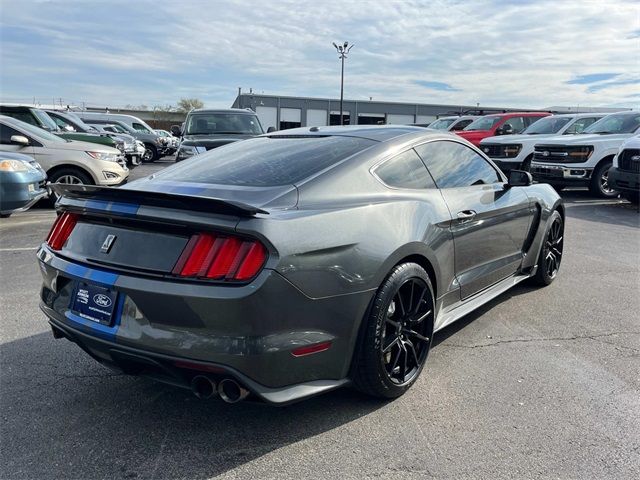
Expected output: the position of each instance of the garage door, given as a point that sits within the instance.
(316, 118)
(399, 119)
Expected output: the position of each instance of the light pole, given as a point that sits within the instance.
(343, 51)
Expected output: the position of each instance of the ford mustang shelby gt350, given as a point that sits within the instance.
(296, 262)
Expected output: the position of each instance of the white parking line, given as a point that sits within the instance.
(17, 249)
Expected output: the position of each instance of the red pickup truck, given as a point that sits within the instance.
(499, 124)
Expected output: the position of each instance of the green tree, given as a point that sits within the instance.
(187, 104)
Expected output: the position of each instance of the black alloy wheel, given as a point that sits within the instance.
(551, 251)
(397, 333)
(405, 336)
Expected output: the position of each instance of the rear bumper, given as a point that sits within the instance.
(246, 331)
(623, 180)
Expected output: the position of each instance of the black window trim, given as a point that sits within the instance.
(501, 175)
(392, 157)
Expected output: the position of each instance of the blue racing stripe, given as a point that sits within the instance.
(113, 207)
(107, 279)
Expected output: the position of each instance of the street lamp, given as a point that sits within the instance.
(343, 51)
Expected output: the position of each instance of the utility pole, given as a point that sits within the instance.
(343, 51)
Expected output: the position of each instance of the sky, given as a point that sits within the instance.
(530, 54)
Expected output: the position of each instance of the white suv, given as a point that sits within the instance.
(584, 160)
(515, 152)
(65, 161)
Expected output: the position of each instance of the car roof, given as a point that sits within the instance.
(514, 114)
(379, 133)
(223, 110)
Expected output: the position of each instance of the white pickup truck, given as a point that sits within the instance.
(584, 160)
(515, 152)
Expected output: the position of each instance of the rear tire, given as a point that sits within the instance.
(397, 334)
(551, 252)
(599, 185)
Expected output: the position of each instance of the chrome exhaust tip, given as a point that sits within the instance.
(231, 391)
(203, 387)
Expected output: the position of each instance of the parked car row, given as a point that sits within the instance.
(61, 159)
(577, 150)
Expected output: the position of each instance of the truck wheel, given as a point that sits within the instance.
(600, 182)
(150, 153)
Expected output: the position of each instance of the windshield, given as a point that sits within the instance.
(122, 128)
(547, 125)
(484, 123)
(45, 120)
(39, 133)
(78, 121)
(266, 161)
(216, 123)
(442, 123)
(616, 123)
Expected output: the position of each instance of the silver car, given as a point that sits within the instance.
(65, 161)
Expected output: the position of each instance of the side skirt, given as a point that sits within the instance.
(459, 310)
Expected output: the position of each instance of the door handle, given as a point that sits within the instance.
(466, 215)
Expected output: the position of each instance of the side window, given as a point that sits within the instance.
(579, 125)
(453, 165)
(6, 133)
(23, 116)
(139, 127)
(60, 122)
(405, 171)
(461, 125)
(517, 124)
(531, 120)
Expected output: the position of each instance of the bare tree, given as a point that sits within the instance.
(187, 104)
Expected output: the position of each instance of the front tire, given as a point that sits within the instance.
(551, 252)
(73, 176)
(599, 185)
(397, 333)
(150, 153)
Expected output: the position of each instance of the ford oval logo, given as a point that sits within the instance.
(635, 158)
(545, 153)
(102, 300)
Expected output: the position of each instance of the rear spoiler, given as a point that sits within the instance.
(129, 200)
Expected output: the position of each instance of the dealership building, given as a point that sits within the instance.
(284, 112)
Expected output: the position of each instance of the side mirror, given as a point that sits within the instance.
(271, 129)
(520, 178)
(20, 140)
(69, 128)
(175, 130)
(506, 129)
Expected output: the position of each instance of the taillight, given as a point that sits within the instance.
(220, 258)
(61, 229)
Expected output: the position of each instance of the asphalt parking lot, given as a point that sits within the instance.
(537, 384)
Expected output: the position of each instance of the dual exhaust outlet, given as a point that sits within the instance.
(229, 390)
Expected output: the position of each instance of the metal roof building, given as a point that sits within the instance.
(284, 112)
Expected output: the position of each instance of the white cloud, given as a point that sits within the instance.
(503, 54)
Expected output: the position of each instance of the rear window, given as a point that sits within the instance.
(266, 161)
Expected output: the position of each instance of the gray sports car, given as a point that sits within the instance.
(296, 262)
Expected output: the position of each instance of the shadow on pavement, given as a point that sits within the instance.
(65, 416)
